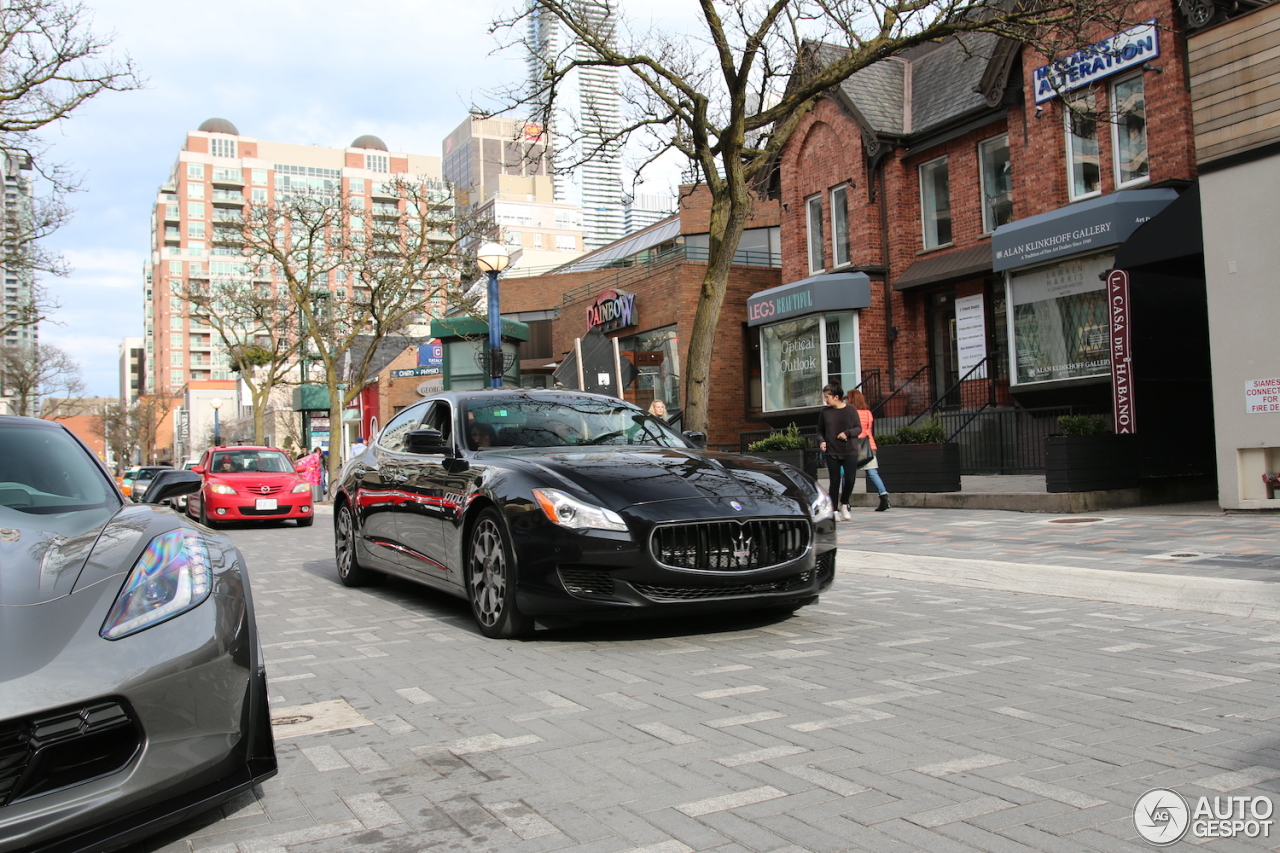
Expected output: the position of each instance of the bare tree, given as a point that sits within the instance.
(258, 328)
(357, 276)
(52, 65)
(32, 372)
(112, 423)
(146, 416)
(729, 95)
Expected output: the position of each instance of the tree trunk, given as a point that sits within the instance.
(729, 210)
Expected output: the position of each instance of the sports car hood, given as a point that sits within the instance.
(42, 557)
(621, 477)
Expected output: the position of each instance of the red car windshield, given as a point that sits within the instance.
(251, 462)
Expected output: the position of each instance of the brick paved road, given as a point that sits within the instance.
(894, 715)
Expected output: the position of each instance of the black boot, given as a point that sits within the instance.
(884, 503)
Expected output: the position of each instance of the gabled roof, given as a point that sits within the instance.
(922, 89)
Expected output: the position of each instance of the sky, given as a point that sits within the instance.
(318, 72)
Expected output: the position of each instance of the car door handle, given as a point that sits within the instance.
(400, 478)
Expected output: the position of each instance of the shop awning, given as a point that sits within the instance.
(838, 291)
(1172, 242)
(1087, 226)
(938, 269)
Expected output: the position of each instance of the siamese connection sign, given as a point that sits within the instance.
(1121, 51)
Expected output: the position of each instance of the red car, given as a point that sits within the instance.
(250, 484)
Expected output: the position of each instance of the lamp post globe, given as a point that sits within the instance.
(216, 403)
(493, 259)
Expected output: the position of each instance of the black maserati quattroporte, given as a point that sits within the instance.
(540, 504)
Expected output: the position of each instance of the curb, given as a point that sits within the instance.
(1221, 596)
(1063, 503)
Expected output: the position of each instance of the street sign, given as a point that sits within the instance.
(415, 371)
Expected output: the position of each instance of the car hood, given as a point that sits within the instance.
(43, 557)
(630, 476)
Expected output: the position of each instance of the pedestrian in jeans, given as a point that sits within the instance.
(859, 403)
(838, 429)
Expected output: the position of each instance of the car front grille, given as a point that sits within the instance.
(53, 750)
(730, 546)
(262, 490)
(662, 592)
(586, 583)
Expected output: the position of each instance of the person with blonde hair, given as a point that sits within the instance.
(858, 400)
(658, 409)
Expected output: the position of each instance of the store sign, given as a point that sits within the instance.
(415, 371)
(1261, 396)
(431, 354)
(1121, 352)
(613, 309)
(1121, 51)
(1087, 226)
(814, 295)
(971, 336)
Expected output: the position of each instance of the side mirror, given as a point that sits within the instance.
(198, 469)
(425, 441)
(170, 484)
(697, 439)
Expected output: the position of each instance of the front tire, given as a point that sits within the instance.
(204, 515)
(491, 580)
(345, 540)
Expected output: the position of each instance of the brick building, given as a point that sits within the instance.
(983, 198)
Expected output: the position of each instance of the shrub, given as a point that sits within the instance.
(1083, 425)
(930, 433)
(786, 439)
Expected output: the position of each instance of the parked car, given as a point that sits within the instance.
(132, 687)
(138, 479)
(247, 483)
(569, 505)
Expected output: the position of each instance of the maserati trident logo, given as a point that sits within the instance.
(742, 547)
(737, 506)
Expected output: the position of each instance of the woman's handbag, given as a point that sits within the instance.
(862, 452)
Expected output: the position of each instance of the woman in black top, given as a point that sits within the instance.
(838, 428)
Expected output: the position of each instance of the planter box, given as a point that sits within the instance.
(920, 467)
(1090, 463)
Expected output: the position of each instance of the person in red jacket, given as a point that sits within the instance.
(859, 403)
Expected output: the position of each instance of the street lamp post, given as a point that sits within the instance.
(493, 258)
(216, 402)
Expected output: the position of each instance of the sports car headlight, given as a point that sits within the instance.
(301, 487)
(567, 511)
(220, 489)
(822, 508)
(172, 576)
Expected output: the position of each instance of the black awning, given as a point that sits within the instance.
(1171, 242)
(952, 266)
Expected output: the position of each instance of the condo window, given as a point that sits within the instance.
(840, 226)
(813, 219)
(935, 203)
(376, 163)
(195, 171)
(1129, 131)
(259, 177)
(997, 183)
(219, 147)
(1083, 166)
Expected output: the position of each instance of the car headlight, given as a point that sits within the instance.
(301, 487)
(220, 489)
(172, 576)
(567, 511)
(822, 508)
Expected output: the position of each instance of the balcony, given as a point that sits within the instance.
(172, 212)
(226, 197)
(228, 177)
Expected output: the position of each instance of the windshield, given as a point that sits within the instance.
(251, 462)
(46, 472)
(561, 421)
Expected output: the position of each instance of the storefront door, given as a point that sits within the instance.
(943, 353)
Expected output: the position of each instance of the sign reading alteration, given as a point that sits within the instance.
(1121, 51)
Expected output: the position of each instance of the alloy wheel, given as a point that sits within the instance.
(487, 578)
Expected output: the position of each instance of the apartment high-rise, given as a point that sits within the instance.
(133, 367)
(218, 172)
(482, 149)
(19, 282)
(586, 118)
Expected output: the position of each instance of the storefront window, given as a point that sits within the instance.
(660, 380)
(798, 357)
(1129, 131)
(935, 203)
(1060, 322)
(1082, 148)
